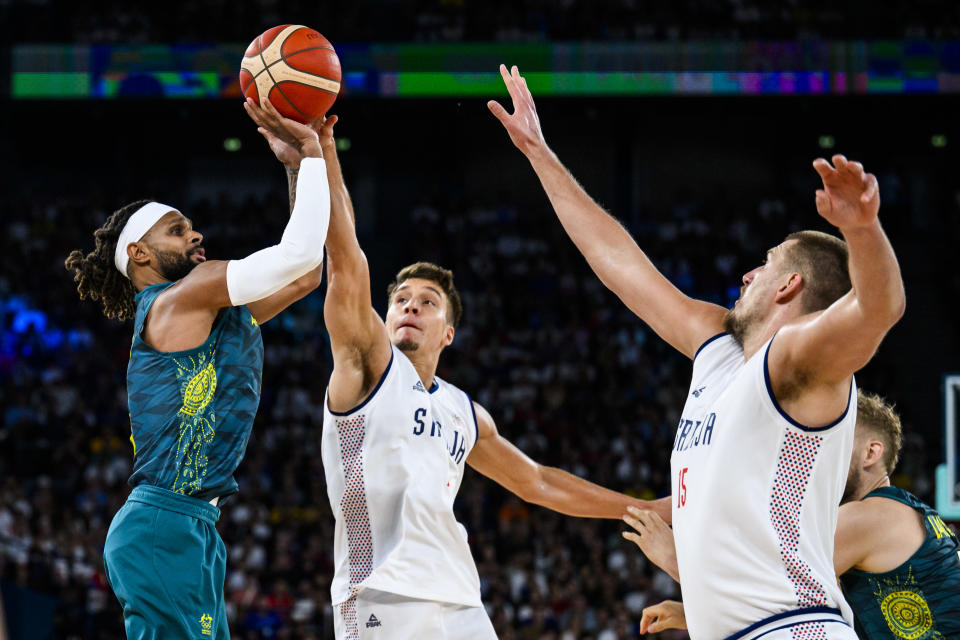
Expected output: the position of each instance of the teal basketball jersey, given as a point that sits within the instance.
(920, 599)
(191, 412)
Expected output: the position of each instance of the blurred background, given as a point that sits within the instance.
(695, 122)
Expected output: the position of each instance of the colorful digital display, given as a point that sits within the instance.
(564, 69)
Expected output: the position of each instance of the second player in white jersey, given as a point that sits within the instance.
(829, 302)
(755, 498)
(395, 442)
(393, 466)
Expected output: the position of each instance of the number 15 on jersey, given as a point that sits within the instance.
(682, 493)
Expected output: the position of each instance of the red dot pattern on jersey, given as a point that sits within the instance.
(794, 465)
(808, 631)
(348, 611)
(353, 505)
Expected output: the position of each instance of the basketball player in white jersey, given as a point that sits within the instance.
(763, 446)
(395, 440)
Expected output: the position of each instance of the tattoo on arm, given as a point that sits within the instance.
(292, 185)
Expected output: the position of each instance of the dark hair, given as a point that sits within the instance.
(874, 413)
(96, 275)
(821, 260)
(434, 273)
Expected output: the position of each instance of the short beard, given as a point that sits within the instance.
(852, 488)
(737, 324)
(172, 265)
(407, 345)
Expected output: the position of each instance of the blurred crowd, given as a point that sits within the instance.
(570, 376)
(481, 20)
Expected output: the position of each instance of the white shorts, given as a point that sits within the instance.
(379, 615)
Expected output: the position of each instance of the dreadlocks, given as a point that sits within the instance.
(95, 274)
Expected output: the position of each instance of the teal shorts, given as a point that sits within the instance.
(166, 563)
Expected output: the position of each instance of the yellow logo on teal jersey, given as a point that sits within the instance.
(197, 420)
(206, 624)
(199, 391)
(907, 614)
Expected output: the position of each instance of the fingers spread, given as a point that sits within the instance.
(511, 85)
(839, 161)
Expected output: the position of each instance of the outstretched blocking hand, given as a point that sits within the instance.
(524, 124)
(668, 614)
(850, 198)
(289, 140)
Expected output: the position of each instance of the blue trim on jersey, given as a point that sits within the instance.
(789, 614)
(793, 624)
(709, 340)
(369, 397)
(786, 416)
(476, 425)
(434, 388)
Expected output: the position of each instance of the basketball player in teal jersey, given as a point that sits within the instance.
(193, 381)
(898, 563)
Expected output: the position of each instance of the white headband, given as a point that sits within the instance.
(137, 227)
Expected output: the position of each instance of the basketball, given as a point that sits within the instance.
(295, 68)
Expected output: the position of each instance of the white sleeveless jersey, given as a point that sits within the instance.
(393, 467)
(755, 500)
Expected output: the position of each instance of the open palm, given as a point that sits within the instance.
(849, 198)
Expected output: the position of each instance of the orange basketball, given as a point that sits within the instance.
(295, 68)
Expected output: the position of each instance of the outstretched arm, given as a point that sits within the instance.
(495, 457)
(182, 315)
(267, 308)
(358, 337)
(612, 253)
(821, 351)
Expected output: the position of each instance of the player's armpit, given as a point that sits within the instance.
(361, 354)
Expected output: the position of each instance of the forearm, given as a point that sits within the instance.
(342, 238)
(568, 494)
(292, 174)
(875, 274)
(601, 239)
(683, 322)
(300, 249)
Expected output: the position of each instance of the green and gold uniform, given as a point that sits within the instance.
(191, 413)
(920, 599)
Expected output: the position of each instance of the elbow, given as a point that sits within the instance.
(310, 281)
(900, 308)
(534, 490)
(306, 253)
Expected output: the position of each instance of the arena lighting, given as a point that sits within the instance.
(938, 140)
(826, 142)
(231, 144)
(343, 144)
